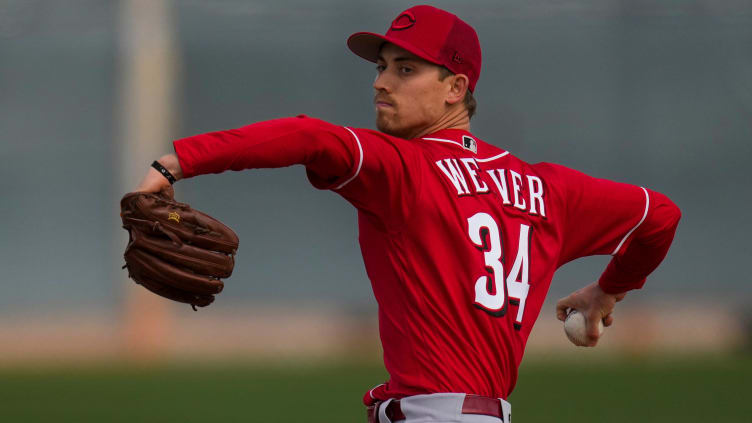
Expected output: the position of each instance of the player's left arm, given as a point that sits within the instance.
(325, 149)
(635, 225)
(366, 168)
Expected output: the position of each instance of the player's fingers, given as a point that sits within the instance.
(591, 328)
(563, 307)
(168, 192)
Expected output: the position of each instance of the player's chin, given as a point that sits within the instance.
(387, 125)
(383, 123)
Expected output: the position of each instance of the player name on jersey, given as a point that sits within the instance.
(524, 192)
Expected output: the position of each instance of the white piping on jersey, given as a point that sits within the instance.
(498, 156)
(360, 162)
(644, 215)
(371, 391)
(443, 140)
(456, 143)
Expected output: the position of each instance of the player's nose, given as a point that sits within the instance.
(380, 83)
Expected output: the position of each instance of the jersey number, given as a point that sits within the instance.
(490, 290)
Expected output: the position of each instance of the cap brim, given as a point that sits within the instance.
(368, 44)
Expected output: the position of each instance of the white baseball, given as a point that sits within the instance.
(574, 327)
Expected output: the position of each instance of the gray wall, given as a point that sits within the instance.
(652, 94)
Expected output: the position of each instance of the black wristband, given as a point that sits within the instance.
(166, 173)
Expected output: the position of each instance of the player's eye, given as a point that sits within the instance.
(380, 68)
(406, 69)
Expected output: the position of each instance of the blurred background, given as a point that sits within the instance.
(91, 91)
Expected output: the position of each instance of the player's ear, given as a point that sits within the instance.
(457, 89)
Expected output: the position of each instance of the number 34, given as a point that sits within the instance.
(490, 291)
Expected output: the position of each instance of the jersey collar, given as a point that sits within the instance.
(458, 137)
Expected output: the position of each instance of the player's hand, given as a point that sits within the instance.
(154, 181)
(594, 304)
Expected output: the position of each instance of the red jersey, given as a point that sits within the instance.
(460, 239)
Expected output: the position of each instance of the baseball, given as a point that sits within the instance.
(574, 327)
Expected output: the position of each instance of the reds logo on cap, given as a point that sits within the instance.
(432, 34)
(403, 21)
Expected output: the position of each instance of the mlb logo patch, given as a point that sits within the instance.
(469, 143)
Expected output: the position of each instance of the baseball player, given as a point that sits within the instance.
(460, 238)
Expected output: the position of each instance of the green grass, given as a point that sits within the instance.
(665, 389)
(614, 390)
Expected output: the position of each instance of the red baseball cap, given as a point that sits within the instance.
(431, 34)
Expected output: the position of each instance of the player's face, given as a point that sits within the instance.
(408, 95)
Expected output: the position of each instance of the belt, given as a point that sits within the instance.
(473, 404)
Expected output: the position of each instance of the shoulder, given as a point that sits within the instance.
(558, 173)
(379, 137)
(308, 122)
(492, 155)
(385, 146)
(489, 153)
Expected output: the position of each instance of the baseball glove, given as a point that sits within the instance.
(174, 250)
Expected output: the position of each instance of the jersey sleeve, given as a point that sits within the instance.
(326, 150)
(635, 225)
(386, 180)
(367, 168)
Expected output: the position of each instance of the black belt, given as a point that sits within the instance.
(473, 404)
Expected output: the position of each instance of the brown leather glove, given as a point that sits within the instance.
(175, 251)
